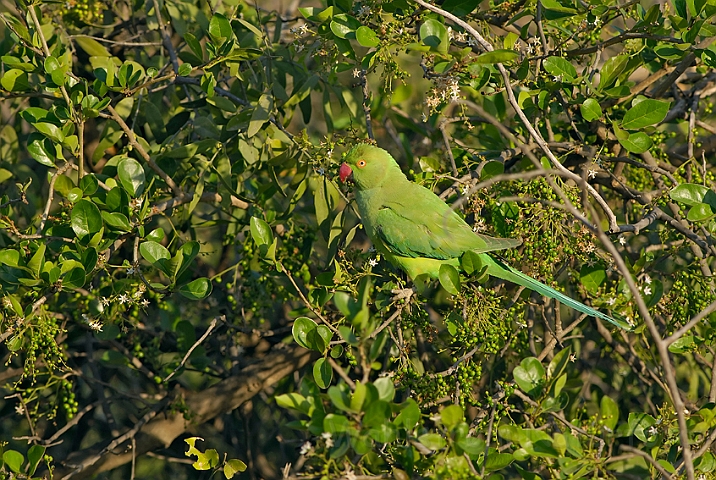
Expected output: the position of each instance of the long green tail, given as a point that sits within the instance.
(505, 272)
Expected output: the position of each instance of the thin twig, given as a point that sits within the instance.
(137, 146)
(51, 195)
(196, 344)
(648, 458)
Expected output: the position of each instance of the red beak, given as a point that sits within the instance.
(344, 172)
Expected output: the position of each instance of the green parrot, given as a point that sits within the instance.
(418, 232)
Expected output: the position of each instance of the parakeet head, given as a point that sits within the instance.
(369, 165)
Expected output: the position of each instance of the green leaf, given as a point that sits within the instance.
(609, 412)
(460, 8)
(293, 400)
(196, 289)
(219, 29)
(496, 56)
(383, 433)
(117, 221)
(683, 345)
(591, 110)
(409, 415)
(131, 176)
(367, 37)
(315, 14)
(471, 262)
(13, 460)
(561, 68)
(34, 456)
(38, 260)
(85, 218)
(432, 441)
(232, 467)
(449, 278)
(89, 184)
(693, 194)
(344, 26)
(336, 423)
(647, 112)
(75, 278)
(261, 232)
(638, 422)
(592, 277)
(636, 142)
(322, 373)
(51, 131)
(156, 235)
(554, 10)
(156, 254)
(41, 149)
(530, 376)
(700, 212)
(185, 69)
(91, 46)
(386, 389)
(474, 447)
(260, 115)
(434, 35)
(15, 80)
(301, 329)
(452, 415)
(498, 461)
(611, 70)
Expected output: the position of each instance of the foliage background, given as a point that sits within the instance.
(178, 260)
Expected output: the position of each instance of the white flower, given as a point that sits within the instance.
(329, 153)
(450, 33)
(573, 358)
(653, 430)
(364, 10)
(622, 240)
(356, 73)
(479, 226)
(647, 279)
(131, 271)
(424, 117)
(630, 321)
(144, 303)
(349, 474)
(530, 49)
(321, 171)
(472, 42)
(647, 290)
(612, 301)
(299, 48)
(328, 438)
(372, 262)
(95, 325)
(591, 173)
(123, 299)
(104, 301)
(465, 189)
(19, 409)
(305, 448)
(557, 78)
(371, 249)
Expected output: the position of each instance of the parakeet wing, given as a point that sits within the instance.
(413, 231)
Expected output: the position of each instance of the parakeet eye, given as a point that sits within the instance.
(361, 163)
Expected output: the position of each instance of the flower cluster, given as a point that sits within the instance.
(446, 89)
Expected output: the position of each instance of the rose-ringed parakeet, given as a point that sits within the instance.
(418, 232)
